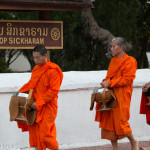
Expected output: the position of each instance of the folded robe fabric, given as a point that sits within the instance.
(45, 82)
(121, 73)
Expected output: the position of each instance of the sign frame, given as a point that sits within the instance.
(36, 22)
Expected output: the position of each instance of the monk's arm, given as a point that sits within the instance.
(54, 86)
(127, 77)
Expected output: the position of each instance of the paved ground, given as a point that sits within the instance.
(122, 146)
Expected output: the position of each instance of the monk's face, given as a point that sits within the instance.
(116, 50)
(39, 59)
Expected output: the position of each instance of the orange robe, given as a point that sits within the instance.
(121, 72)
(45, 81)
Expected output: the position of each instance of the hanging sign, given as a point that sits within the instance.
(16, 34)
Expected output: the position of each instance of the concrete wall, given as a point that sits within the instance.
(75, 122)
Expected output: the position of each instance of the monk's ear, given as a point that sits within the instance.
(121, 48)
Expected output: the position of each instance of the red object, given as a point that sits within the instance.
(145, 109)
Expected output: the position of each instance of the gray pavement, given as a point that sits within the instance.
(122, 146)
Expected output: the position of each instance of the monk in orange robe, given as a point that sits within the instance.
(120, 76)
(46, 79)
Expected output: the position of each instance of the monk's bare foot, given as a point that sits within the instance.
(144, 148)
(37, 149)
(55, 149)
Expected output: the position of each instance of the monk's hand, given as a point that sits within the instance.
(148, 84)
(33, 106)
(104, 84)
(145, 87)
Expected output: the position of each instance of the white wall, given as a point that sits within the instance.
(75, 122)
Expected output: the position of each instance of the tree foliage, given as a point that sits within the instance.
(80, 51)
(13, 54)
(4, 66)
(87, 51)
(84, 52)
(143, 33)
